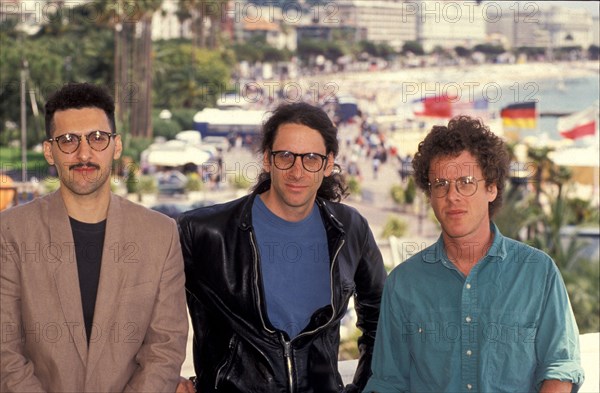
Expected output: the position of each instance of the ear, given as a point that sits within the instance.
(118, 147)
(329, 165)
(267, 161)
(492, 192)
(48, 153)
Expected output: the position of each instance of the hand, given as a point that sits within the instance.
(185, 386)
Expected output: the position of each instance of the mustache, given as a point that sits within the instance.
(86, 165)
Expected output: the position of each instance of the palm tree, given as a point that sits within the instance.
(560, 175)
(133, 61)
(541, 160)
(183, 14)
(142, 113)
(216, 21)
(200, 12)
(518, 212)
(580, 275)
(194, 10)
(115, 16)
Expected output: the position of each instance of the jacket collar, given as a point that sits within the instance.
(66, 276)
(246, 212)
(437, 253)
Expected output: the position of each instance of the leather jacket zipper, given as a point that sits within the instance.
(256, 286)
(287, 352)
(226, 363)
(287, 345)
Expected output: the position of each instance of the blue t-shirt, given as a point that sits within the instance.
(294, 259)
(506, 327)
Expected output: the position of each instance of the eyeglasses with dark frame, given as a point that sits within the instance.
(69, 143)
(465, 186)
(284, 159)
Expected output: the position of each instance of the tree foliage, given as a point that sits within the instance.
(44, 72)
(523, 211)
(257, 50)
(374, 49)
(461, 51)
(78, 49)
(489, 49)
(180, 83)
(308, 49)
(413, 47)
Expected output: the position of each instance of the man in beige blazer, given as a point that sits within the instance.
(91, 285)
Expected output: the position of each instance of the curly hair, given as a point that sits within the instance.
(464, 133)
(333, 187)
(78, 96)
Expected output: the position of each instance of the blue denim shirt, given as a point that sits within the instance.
(506, 327)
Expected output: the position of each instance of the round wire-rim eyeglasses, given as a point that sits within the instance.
(465, 186)
(312, 162)
(69, 143)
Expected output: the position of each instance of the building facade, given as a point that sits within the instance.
(382, 21)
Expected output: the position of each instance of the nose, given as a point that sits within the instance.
(84, 152)
(452, 191)
(297, 169)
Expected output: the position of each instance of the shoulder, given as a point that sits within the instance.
(345, 214)
(140, 216)
(417, 264)
(519, 253)
(22, 214)
(214, 215)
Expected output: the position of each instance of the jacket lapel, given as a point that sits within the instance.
(109, 284)
(65, 273)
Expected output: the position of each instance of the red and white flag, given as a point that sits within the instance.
(438, 106)
(579, 124)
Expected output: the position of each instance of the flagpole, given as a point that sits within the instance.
(596, 190)
(24, 66)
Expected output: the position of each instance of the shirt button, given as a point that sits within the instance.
(469, 353)
(468, 319)
(468, 286)
(469, 386)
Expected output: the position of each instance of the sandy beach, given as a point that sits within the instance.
(383, 92)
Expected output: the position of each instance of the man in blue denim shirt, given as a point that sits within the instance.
(476, 311)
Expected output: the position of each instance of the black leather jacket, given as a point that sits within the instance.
(236, 349)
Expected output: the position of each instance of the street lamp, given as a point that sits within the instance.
(24, 72)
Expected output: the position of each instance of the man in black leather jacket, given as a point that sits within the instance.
(242, 296)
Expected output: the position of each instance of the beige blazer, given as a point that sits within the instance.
(140, 326)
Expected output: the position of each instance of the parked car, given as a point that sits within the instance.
(199, 204)
(171, 183)
(172, 210)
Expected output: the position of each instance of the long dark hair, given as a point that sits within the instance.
(333, 187)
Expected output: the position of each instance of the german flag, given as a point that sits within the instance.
(522, 115)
